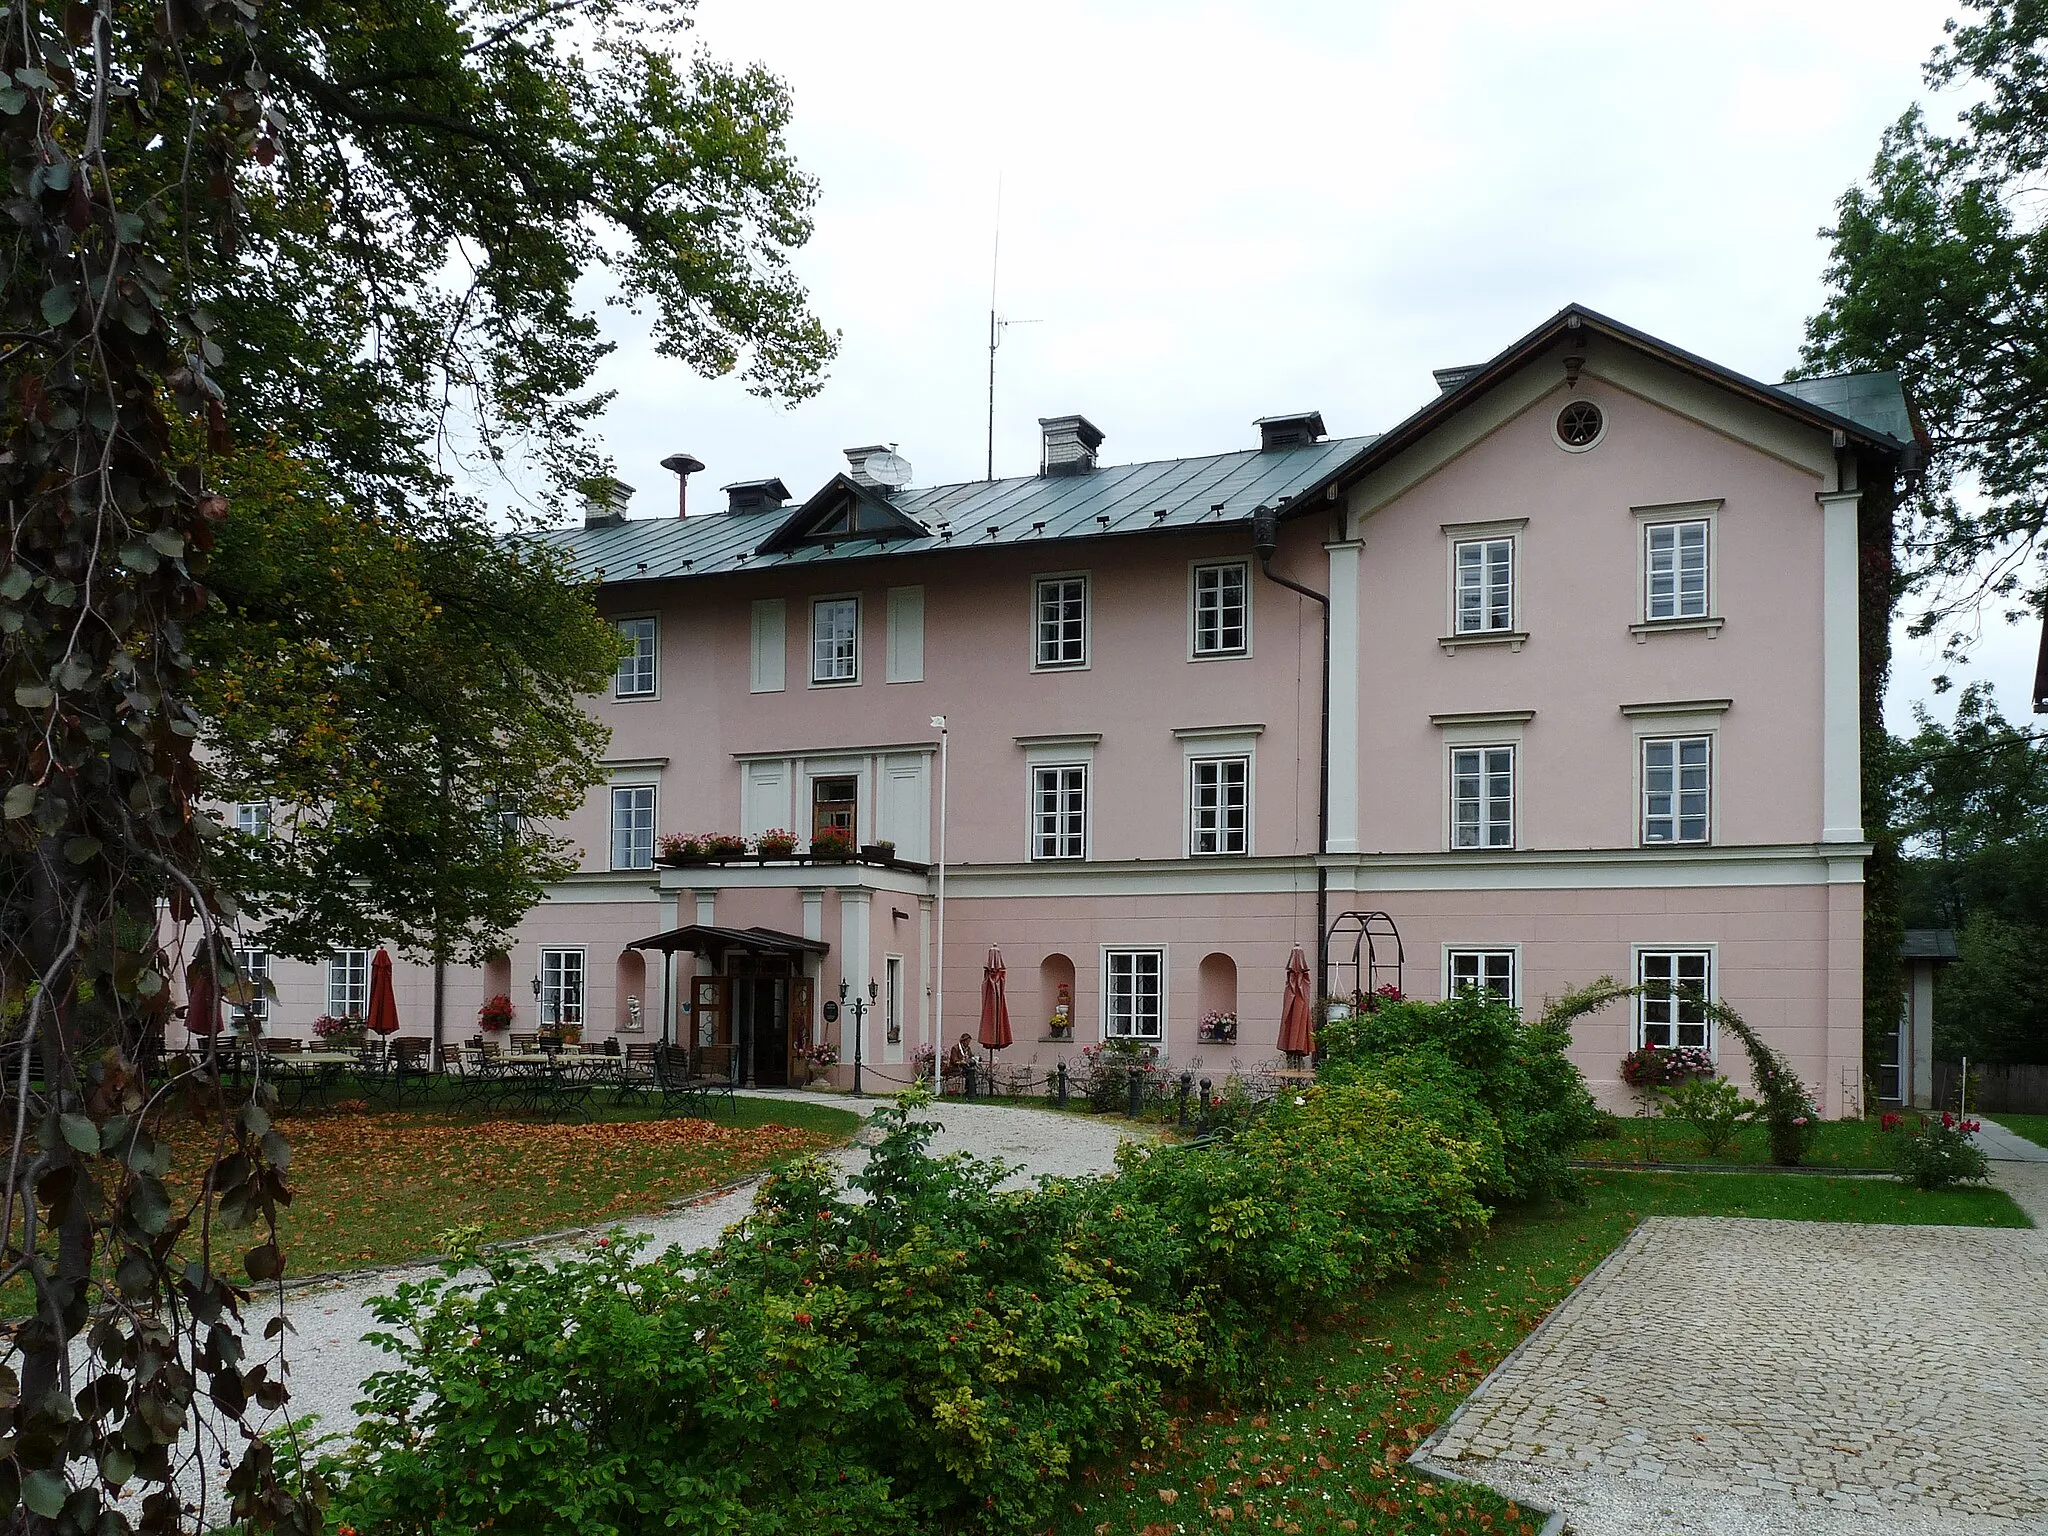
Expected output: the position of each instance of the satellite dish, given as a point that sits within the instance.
(890, 469)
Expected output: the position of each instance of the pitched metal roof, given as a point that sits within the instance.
(1874, 400)
(1218, 490)
(1929, 944)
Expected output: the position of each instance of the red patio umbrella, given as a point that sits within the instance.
(995, 1007)
(383, 1014)
(1297, 1027)
(202, 999)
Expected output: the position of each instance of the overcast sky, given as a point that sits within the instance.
(1223, 211)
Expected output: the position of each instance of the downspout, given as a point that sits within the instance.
(1266, 543)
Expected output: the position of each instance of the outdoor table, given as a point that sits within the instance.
(310, 1070)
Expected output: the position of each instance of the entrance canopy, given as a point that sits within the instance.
(703, 939)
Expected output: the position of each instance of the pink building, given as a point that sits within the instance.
(1587, 703)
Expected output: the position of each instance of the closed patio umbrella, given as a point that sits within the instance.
(383, 1015)
(995, 1007)
(1297, 1027)
(202, 999)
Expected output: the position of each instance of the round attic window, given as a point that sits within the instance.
(1579, 426)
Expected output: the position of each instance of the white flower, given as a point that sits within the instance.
(1299, 1099)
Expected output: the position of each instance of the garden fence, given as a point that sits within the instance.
(2019, 1090)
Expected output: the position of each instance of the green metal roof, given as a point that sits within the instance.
(1873, 400)
(1219, 490)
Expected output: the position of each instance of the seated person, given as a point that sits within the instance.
(960, 1055)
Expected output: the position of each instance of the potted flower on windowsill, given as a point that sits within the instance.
(775, 843)
(881, 851)
(679, 848)
(831, 846)
(496, 1014)
(722, 846)
(1219, 1027)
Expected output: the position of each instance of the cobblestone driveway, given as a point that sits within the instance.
(1723, 1375)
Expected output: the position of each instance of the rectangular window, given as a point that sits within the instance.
(503, 819)
(252, 818)
(636, 668)
(1059, 812)
(1485, 596)
(1062, 621)
(1483, 797)
(1134, 994)
(1487, 970)
(835, 640)
(252, 983)
(892, 997)
(1219, 805)
(633, 826)
(1221, 595)
(1671, 1009)
(1676, 771)
(833, 803)
(1675, 571)
(348, 983)
(561, 987)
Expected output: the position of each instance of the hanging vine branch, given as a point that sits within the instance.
(129, 130)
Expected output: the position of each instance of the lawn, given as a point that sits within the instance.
(1344, 1407)
(1836, 1144)
(380, 1187)
(2033, 1127)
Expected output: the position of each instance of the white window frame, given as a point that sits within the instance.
(892, 999)
(1676, 815)
(252, 818)
(1217, 815)
(1112, 955)
(1085, 784)
(1086, 639)
(1480, 958)
(633, 847)
(850, 679)
(348, 978)
(252, 972)
(1678, 528)
(1485, 769)
(557, 964)
(1458, 536)
(1666, 515)
(1197, 570)
(641, 665)
(1493, 559)
(1666, 1013)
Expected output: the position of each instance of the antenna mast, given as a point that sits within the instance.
(996, 327)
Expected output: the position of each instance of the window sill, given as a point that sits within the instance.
(1511, 638)
(1219, 655)
(1648, 627)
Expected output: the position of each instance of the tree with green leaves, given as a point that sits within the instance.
(280, 276)
(1938, 267)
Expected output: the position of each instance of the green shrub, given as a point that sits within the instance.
(1476, 1049)
(936, 1355)
(1789, 1113)
(1714, 1107)
(1935, 1154)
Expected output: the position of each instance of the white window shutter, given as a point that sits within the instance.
(906, 635)
(771, 635)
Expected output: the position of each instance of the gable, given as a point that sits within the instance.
(842, 510)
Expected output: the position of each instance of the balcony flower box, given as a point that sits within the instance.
(878, 853)
(776, 843)
(681, 848)
(831, 847)
(723, 848)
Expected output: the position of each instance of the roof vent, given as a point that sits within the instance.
(755, 495)
(1070, 444)
(1296, 431)
(604, 501)
(1448, 379)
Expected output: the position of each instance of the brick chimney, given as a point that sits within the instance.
(1070, 444)
(857, 465)
(604, 501)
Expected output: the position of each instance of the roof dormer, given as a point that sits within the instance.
(841, 511)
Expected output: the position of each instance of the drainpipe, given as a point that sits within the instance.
(1265, 543)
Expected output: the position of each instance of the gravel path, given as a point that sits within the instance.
(329, 1359)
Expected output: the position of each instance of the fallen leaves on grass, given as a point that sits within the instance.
(381, 1188)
